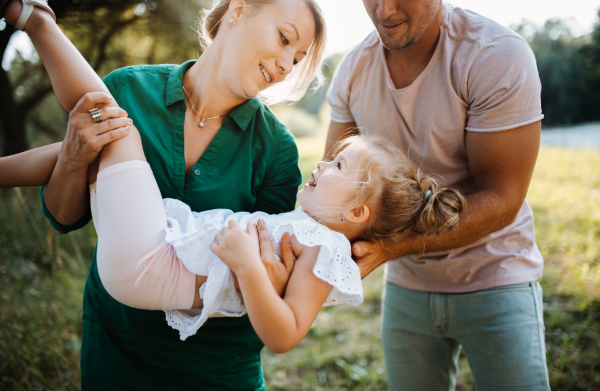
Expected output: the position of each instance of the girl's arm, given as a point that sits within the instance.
(280, 323)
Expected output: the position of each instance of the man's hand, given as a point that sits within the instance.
(279, 270)
(369, 256)
(84, 138)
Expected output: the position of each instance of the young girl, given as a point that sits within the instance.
(370, 191)
(150, 253)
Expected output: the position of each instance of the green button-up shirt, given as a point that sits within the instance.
(251, 165)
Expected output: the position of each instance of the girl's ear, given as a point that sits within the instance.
(358, 215)
(236, 9)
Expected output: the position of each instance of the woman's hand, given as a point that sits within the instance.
(84, 138)
(279, 270)
(66, 194)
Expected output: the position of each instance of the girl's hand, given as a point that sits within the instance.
(238, 248)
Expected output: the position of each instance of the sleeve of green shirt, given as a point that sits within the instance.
(111, 81)
(277, 194)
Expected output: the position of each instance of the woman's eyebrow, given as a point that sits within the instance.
(295, 29)
(297, 35)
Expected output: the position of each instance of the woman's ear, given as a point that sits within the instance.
(358, 215)
(236, 9)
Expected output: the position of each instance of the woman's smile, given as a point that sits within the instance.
(266, 76)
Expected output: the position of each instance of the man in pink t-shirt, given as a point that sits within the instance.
(460, 94)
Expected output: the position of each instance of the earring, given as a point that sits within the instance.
(230, 20)
(342, 217)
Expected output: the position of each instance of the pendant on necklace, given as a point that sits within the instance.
(201, 123)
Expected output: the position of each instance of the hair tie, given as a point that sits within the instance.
(426, 196)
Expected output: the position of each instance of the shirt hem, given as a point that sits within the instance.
(503, 128)
(477, 286)
(340, 120)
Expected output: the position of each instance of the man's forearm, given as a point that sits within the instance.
(486, 212)
(66, 194)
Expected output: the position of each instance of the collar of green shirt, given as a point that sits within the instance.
(242, 115)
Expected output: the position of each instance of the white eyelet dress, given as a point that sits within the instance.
(191, 233)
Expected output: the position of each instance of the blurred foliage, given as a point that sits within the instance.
(110, 34)
(304, 117)
(569, 70)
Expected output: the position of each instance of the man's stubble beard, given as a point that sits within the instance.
(411, 36)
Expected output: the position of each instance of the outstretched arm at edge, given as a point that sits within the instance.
(31, 168)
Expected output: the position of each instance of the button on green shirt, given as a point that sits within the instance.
(251, 165)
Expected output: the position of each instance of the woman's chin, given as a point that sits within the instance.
(251, 91)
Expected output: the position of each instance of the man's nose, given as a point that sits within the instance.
(386, 8)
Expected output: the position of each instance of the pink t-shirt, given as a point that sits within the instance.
(482, 78)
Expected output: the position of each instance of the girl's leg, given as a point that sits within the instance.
(135, 263)
(70, 74)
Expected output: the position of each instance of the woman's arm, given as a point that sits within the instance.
(280, 323)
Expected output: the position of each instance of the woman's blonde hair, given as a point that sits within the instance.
(403, 200)
(303, 74)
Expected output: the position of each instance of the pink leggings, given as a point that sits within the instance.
(136, 265)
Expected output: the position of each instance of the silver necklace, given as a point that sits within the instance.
(202, 119)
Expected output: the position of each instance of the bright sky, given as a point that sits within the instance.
(348, 23)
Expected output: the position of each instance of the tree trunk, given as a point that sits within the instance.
(12, 125)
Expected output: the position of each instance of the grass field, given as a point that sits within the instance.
(42, 277)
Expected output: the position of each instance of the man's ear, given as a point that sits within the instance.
(358, 215)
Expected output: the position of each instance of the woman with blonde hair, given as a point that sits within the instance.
(210, 143)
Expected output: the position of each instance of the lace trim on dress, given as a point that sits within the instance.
(334, 264)
(191, 233)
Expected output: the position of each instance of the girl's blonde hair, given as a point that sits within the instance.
(305, 73)
(396, 191)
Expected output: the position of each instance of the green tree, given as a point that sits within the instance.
(569, 69)
(110, 34)
(590, 54)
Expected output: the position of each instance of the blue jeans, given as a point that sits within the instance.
(501, 330)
